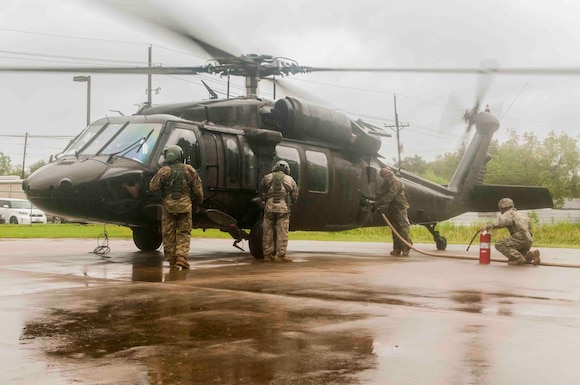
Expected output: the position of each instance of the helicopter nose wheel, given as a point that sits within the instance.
(146, 239)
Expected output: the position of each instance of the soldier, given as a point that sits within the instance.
(182, 193)
(279, 192)
(393, 203)
(516, 247)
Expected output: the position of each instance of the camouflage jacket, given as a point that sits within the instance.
(392, 193)
(191, 192)
(518, 224)
(288, 194)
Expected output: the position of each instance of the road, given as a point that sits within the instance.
(343, 313)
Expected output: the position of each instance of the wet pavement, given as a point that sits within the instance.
(344, 313)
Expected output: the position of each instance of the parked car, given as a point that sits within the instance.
(20, 211)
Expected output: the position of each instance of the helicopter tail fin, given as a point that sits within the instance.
(466, 183)
(469, 171)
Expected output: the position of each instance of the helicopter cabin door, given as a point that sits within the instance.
(186, 137)
(211, 172)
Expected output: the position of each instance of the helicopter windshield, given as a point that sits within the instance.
(129, 139)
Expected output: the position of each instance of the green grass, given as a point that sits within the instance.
(554, 235)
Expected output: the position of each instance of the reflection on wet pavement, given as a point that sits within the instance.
(362, 319)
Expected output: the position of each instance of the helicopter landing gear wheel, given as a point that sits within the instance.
(146, 239)
(441, 243)
(255, 241)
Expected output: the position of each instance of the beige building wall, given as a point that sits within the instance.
(11, 187)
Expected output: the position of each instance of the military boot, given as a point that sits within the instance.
(172, 260)
(533, 256)
(284, 259)
(182, 262)
(395, 253)
(519, 261)
(269, 258)
(405, 253)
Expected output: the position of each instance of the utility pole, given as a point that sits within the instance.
(24, 156)
(397, 128)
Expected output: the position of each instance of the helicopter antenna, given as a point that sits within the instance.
(212, 94)
(512, 103)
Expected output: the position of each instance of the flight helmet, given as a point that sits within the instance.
(282, 165)
(173, 154)
(505, 204)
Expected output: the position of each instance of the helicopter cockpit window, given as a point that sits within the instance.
(290, 155)
(135, 141)
(317, 165)
(187, 140)
(232, 161)
(89, 133)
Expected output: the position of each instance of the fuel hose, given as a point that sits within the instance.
(462, 256)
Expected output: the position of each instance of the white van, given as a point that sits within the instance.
(21, 211)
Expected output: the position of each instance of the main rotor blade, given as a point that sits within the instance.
(111, 70)
(503, 71)
(153, 13)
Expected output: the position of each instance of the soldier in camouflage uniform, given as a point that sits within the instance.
(182, 193)
(393, 203)
(279, 192)
(516, 247)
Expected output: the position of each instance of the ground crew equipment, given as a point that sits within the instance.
(484, 247)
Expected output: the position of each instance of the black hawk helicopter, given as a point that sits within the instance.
(104, 173)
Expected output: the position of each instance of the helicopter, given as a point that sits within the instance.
(103, 174)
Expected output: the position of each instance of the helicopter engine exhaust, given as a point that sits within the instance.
(301, 120)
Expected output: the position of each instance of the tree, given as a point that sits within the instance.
(444, 166)
(416, 165)
(525, 160)
(5, 164)
(35, 166)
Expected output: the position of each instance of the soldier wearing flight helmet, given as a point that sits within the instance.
(279, 192)
(182, 193)
(516, 247)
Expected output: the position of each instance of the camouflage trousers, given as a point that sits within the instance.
(513, 247)
(400, 221)
(176, 234)
(275, 234)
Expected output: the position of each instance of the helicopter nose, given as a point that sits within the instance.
(486, 122)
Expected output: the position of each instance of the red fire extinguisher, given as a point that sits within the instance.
(484, 247)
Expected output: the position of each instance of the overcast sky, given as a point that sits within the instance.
(362, 33)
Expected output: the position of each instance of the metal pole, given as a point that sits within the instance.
(149, 97)
(397, 125)
(24, 156)
(88, 100)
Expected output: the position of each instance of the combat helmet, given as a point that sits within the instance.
(173, 154)
(282, 165)
(505, 204)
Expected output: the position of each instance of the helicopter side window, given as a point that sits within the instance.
(187, 140)
(317, 165)
(232, 161)
(290, 155)
(249, 165)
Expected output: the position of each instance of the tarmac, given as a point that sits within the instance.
(342, 313)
